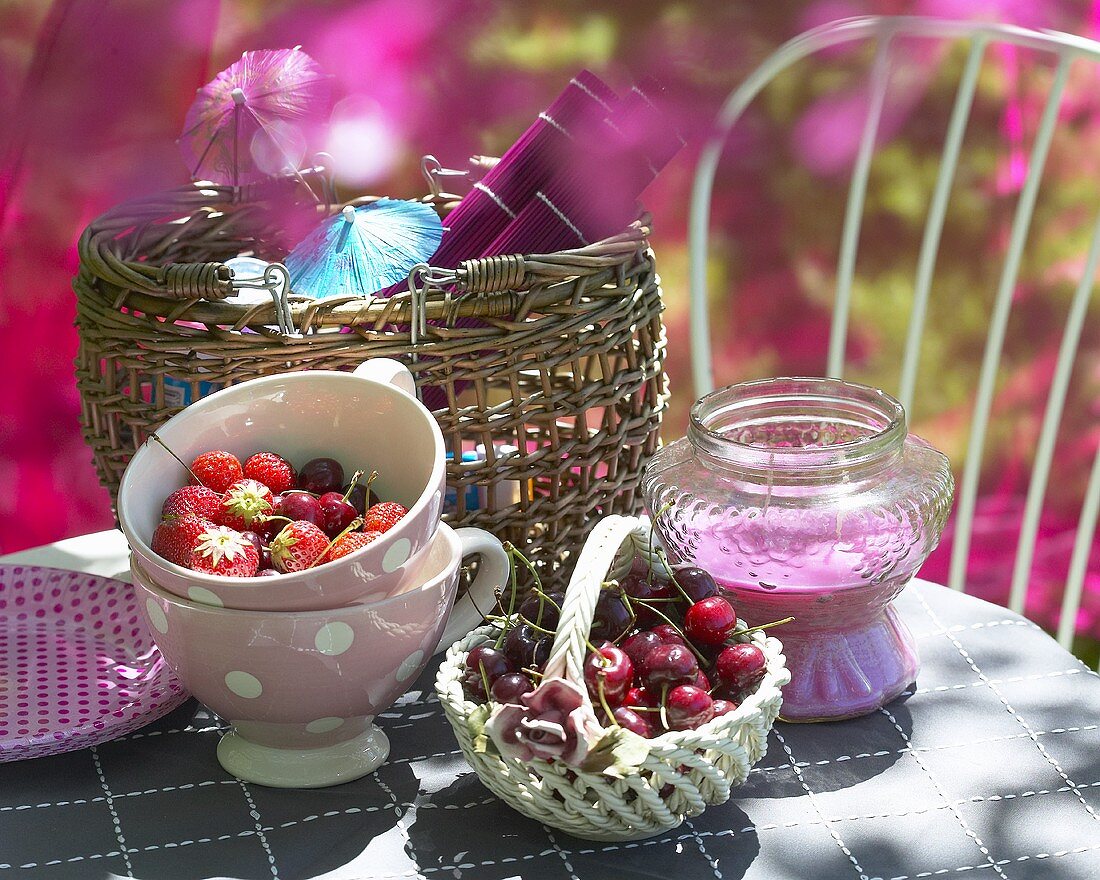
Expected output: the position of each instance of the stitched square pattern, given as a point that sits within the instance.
(906, 793)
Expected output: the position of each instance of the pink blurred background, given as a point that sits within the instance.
(93, 95)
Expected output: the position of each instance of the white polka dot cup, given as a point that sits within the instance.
(369, 419)
(301, 689)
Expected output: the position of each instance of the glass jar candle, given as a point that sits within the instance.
(808, 498)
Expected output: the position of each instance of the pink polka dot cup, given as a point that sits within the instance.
(301, 689)
(369, 419)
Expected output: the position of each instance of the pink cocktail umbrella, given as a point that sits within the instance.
(255, 118)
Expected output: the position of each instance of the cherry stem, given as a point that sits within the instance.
(528, 564)
(508, 548)
(484, 679)
(168, 449)
(664, 708)
(355, 478)
(351, 527)
(652, 532)
(603, 702)
(633, 617)
(530, 670)
(763, 626)
(698, 654)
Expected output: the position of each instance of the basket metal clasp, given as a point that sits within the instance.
(276, 281)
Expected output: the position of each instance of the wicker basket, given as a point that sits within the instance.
(552, 364)
(701, 765)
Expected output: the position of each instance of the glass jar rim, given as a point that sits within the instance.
(871, 409)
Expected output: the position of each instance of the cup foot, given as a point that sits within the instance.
(303, 767)
(847, 673)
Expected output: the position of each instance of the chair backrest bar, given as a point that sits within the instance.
(885, 31)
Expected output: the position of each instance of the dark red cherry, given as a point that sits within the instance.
(669, 665)
(488, 660)
(337, 513)
(638, 645)
(740, 667)
(723, 707)
(632, 721)
(321, 475)
(541, 610)
(510, 687)
(268, 572)
(473, 685)
(697, 583)
(710, 621)
(701, 681)
(687, 707)
(256, 541)
(640, 696)
(611, 619)
(609, 670)
(668, 634)
(645, 590)
(299, 505)
(519, 645)
(359, 497)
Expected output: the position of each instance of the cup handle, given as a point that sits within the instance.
(389, 372)
(492, 575)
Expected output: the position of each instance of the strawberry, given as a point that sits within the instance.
(272, 470)
(298, 546)
(217, 470)
(244, 505)
(383, 516)
(194, 501)
(226, 552)
(174, 539)
(349, 543)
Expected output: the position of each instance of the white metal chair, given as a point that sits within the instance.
(884, 32)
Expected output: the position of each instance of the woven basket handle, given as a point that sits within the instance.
(597, 558)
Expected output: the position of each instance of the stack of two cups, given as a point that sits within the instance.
(300, 664)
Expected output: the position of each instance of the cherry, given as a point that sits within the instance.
(474, 687)
(687, 707)
(696, 583)
(336, 513)
(488, 660)
(541, 610)
(701, 681)
(644, 589)
(268, 572)
(300, 505)
(740, 667)
(510, 687)
(265, 558)
(611, 618)
(256, 542)
(669, 665)
(320, 475)
(632, 721)
(640, 696)
(267, 528)
(668, 634)
(609, 670)
(639, 644)
(358, 497)
(723, 707)
(710, 621)
(519, 645)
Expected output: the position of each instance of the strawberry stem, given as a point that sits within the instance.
(168, 449)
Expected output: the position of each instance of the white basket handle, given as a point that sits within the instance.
(596, 559)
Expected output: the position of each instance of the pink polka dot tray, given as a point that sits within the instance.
(77, 664)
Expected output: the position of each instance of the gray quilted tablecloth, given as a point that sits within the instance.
(989, 768)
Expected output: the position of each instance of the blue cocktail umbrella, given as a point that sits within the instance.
(363, 250)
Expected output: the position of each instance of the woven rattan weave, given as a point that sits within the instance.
(551, 364)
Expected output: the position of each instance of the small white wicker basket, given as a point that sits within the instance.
(701, 765)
